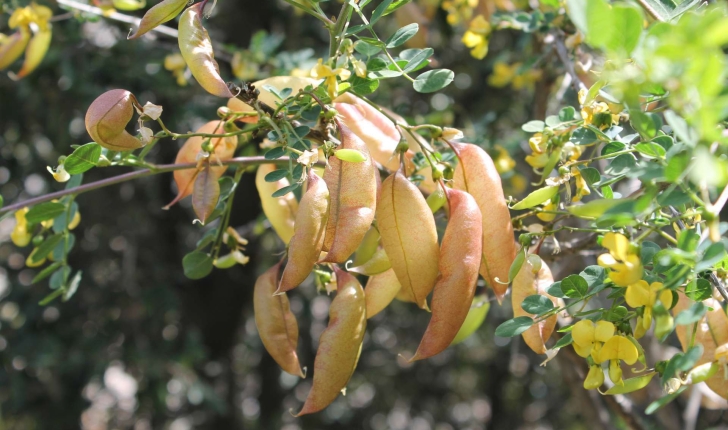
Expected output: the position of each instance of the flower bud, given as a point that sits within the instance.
(223, 112)
(595, 378)
(350, 155)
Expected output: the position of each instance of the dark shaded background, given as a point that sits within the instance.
(142, 347)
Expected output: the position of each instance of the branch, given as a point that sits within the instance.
(563, 54)
(161, 168)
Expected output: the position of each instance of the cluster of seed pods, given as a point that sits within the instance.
(386, 230)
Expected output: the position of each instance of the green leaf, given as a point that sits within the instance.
(584, 136)
(627, 28)
(600, 23)
(275, 153)
(396, 4)
(197, 265)
(650, 149)
(574, 286)
(58, 278)
(276, 175)
(594, 275)
(662, 401)
(402, 35)
(44, 211)
(692, 314)
(612, 147)
(567, 114)
(699, 290)
(285, 190)
(365, 48)
(663, 8)
(590, 175)
(711, 256)
(555, 290)
(680, 127)
(537, 197)
(416, 58)
(433, 80)
(363, 86)
(474, 319)
(379, 11)
(46, 272)
(537, 304)
(46, 247)
(676, 166)
(514, 327)
(564, 341)
(632, 384)
(227, 187)
(682, 362)
(83, 158)
(534, 126)
(648, 251)
(621, 165)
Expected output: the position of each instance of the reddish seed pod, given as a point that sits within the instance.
(106, 121)
(476, 174)
(353, 198)
(276, 323)
(459, 263)
(308, 233)
(530, 281)
(340, 344)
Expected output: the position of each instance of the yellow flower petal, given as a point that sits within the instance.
(595, 378)
(619, 348)
(604, 331)
(617, 244)
(615, 372)
(638, 294)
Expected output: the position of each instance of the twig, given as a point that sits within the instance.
(162, 168)
(563, 54)
(653, 13)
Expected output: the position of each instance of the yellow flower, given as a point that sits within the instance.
(582, 189)
(503, 162)
(323, 71)
(29, 261)
(548, 206)
(595, 378)
(588, 337)
(360, 68)
(625, 264)
(20, 235)
(502, 75)
(571, 152)
(476, 38)
(615, 349)
(75, 221)
(459, 10)
(526, 79)
(176, 64)
(642, 294)
(538, 145)
(588, 112)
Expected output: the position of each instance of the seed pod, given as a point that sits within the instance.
(190, 152)
(459, 263)
(368, 246)
(377, 264)
(409, 236)
(295, 83)
(106, 120)
(476, 174)
(36, 51)
(162, 12)
(308, 234)
(373, 128)
(381, 289)
(205, 193)
(353, 190)
(276, 323)
(712, 332)
(476, 316)
(12, 48)
(280, 211)
(528, 282)
(339, 345)
(196, 49)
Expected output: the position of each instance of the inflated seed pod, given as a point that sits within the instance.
(459, 263)
(106, 121)
(380, 290)
(339, 345)
(308, 233)
(353, 198)
(196, 48)
(223, 148)
(476, 174)
(280, 211)
(530, 281)
(160, 13)
(409, 236)
(276, 323)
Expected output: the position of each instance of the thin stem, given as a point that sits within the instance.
(161, 168)
(337, 30)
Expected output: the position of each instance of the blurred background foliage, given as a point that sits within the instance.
(142, 347)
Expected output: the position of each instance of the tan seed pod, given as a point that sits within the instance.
(160, 13)
(280, 211)
(106, 121)
(531, 281)
(380, 290)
